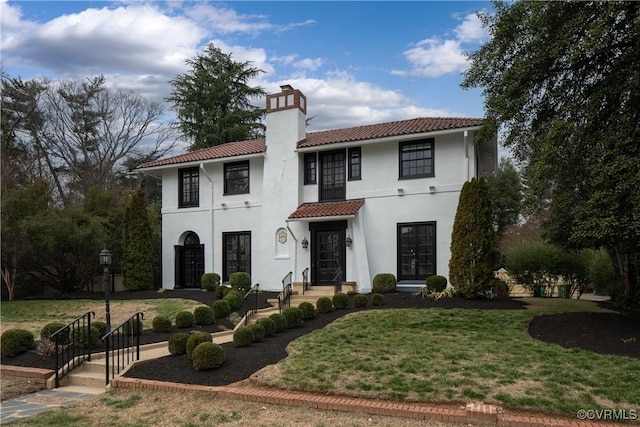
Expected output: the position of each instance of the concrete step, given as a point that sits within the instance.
(81, 378)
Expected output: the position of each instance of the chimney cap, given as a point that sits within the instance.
(286, 88)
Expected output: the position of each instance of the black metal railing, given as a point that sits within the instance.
(287, 290)
(337, 281)
(73, 344)
(305, 279)
(122, 345)
(248, 312)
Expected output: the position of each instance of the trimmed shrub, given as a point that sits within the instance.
(221, 308)
(210, 281)
(280, 322)
(294, 317)
(178, 343)
(207, 355)
(499, 288)
(233, 299)
(324, 305)
(133, 327)
(204, 315)
(86, 337)
(436, 283)
(360, 300)
(240, 281)
(243, 336)
(100, 326)
(377, 299)
(48, 329)
(258, 332)
(161, 324)
(340, 300)
(15, 341)
(384, 282)
(308, 310)
(221, 291)
(185, 319)
(196, 338)
(269, 326)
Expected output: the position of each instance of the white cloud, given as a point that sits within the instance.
(471, 30)
(309, 64)
(224, 20)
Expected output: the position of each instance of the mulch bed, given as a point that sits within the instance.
(597, 332)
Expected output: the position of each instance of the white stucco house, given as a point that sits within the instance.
(368, 199)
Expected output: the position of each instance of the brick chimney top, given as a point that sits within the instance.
(287, 99)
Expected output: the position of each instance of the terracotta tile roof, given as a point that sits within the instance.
(230, 149)
(324, 209)
(314, 139)
(381, 130)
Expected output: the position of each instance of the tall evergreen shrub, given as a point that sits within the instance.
(138, 250)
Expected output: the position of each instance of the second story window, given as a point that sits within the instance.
(236, 177)
(309, 168)
(416, 159)
(355, 164)
(188, 188)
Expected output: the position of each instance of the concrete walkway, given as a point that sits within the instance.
(43, 401)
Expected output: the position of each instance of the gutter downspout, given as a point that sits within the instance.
(466, 156)
(210, 213)
(295, 251)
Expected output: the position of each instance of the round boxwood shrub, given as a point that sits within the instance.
(280, 322)
(308, 310)
(85, 336)
(48, 330)
(100, 326)
(207, 355)
(241, 281)
(15, 341)
(294, 317)
(384, 282)
(178, 343)
(377, 299)
(204, 315)
(234, 300)
(210, 281)
(324, 305)
(185, 319)
(436, 283)
(161, 324)
(268, 324)
(221, 308)
(360, 300)
(340, 300)
(243, 336)
(258, 332)
(220, 291)
(133, 327)
(196, 338)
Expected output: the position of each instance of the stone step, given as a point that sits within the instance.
(81, 378)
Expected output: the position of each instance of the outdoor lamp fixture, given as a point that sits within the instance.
(105, 262)
(348, 242)
(305, 242)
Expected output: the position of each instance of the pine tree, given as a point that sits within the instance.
(137, 263)
(473, 241)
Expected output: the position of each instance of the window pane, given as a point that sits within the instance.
(416, 159)
(236, 179)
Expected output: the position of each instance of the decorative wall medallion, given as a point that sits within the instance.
(282, 237)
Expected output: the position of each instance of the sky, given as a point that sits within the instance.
(357, 62)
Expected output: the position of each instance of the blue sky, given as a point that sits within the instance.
(357, 62)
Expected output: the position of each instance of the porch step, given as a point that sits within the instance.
(89, 374)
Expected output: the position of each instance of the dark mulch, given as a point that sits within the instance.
(585, 331)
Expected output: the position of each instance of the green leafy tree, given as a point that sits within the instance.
(473, 241)
(566, 94)
(213, 100)
(138, 248)
(505, 193)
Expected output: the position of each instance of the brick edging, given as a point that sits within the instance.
(37, 375)
(477, 413)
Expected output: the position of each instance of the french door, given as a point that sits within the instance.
(416, 250)
(236, 254)
(332, 176)
(328, 252)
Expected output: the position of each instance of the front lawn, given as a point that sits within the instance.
(458, 355)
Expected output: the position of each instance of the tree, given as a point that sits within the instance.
(505, 193)
(213, 100)
(138, 253)
(473, 241)
(566, 93)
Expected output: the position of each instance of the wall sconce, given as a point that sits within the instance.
(400, 191)
(432, 189)
(305, 242)
(348, 242)
(224, 205)
(246, 203)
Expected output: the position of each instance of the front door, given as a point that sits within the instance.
(327, 253)
(189, 262)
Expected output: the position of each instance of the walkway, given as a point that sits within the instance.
(42, 401)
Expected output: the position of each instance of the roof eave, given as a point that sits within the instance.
(194, 163)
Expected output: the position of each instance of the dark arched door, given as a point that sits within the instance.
(189, 262)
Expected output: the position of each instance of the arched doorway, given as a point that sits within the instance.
(189, 259)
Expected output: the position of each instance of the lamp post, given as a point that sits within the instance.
(105, 262)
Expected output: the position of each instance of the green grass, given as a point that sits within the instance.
(460, 355)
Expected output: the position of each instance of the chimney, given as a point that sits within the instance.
(287, 99)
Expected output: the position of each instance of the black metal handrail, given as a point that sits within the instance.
(337, 280)
(248, 312)
(122, 344)
(72, 343)
(305, 279)
(287, 290)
